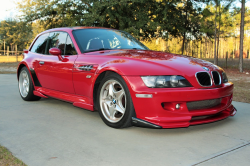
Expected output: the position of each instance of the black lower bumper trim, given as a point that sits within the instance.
(143, 123)
(35, 79)
(234, 111)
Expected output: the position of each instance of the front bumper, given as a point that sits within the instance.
(161, 109)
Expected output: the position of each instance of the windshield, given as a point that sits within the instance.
(105, 39)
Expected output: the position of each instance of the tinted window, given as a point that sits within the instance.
(40, 44)
(94, 39)
(69, 49)
(58, 40)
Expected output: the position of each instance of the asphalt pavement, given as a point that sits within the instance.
(50, 132)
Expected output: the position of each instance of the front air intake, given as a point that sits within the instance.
(216, 77)
(204, 104)
(204, 79)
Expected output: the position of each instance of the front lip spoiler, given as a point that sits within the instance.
(143, 123)
(234, 111)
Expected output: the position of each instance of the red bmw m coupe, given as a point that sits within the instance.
(110, 71)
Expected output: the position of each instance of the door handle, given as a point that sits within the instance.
(41, 62)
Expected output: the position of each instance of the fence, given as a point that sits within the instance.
(10, 56)
(230, 63)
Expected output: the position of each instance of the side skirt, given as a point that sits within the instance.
(39, 94)
(78, 101)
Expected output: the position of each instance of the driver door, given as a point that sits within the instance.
(55, 74)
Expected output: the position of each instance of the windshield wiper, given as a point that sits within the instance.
(132, 49)
(98, 49)
(104, 49)
(137, 48)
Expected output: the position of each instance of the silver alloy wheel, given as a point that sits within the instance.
(24, 83)
(113, 101)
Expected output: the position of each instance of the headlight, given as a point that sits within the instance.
(165, 81)
(224, 77)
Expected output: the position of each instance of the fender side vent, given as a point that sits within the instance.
(86, 67)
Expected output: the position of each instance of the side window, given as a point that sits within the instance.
(58, 40)
(69, 49)
(40, 44)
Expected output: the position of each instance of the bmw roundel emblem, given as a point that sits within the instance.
(205, 68)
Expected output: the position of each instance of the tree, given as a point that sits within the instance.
(136, 17)
(241, 35)
(54, 13)
(218, 4)
(191, 21)
(15, 33)
(180, 18)
(142, 18)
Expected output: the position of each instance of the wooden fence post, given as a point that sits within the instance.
(223, 53)
(16, 54)
(226, 59)
(4, 47)
(233, 53)
(8, 53)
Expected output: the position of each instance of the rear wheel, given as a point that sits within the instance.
(26, 86)
(114, 102)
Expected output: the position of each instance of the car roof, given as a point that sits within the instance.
(72, 28)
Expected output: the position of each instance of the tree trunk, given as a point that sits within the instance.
(215, 34)
(175, 47)
(201, 49)
(184, 36)
(212, 51)
(183, 44)
(218, 43)
(241, 35)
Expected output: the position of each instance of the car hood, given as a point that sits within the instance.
(158, 61)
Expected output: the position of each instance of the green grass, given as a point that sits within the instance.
(7, 159)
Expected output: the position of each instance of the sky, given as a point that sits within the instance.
(8, 8)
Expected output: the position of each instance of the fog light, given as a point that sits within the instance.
(178, 106)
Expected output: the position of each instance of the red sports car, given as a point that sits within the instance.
(110, 71)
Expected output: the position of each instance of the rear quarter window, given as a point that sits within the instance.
(40, 44)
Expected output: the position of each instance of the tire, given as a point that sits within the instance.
(114, 102)
(25, 86)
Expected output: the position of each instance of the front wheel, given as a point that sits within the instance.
(114, 102)
(26, 86)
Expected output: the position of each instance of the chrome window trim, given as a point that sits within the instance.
(211, 83)
(219, 78)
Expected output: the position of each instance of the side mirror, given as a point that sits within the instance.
(56, 52)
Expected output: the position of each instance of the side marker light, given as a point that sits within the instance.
(144, 95)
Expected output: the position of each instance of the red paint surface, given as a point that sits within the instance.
(63, 79)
